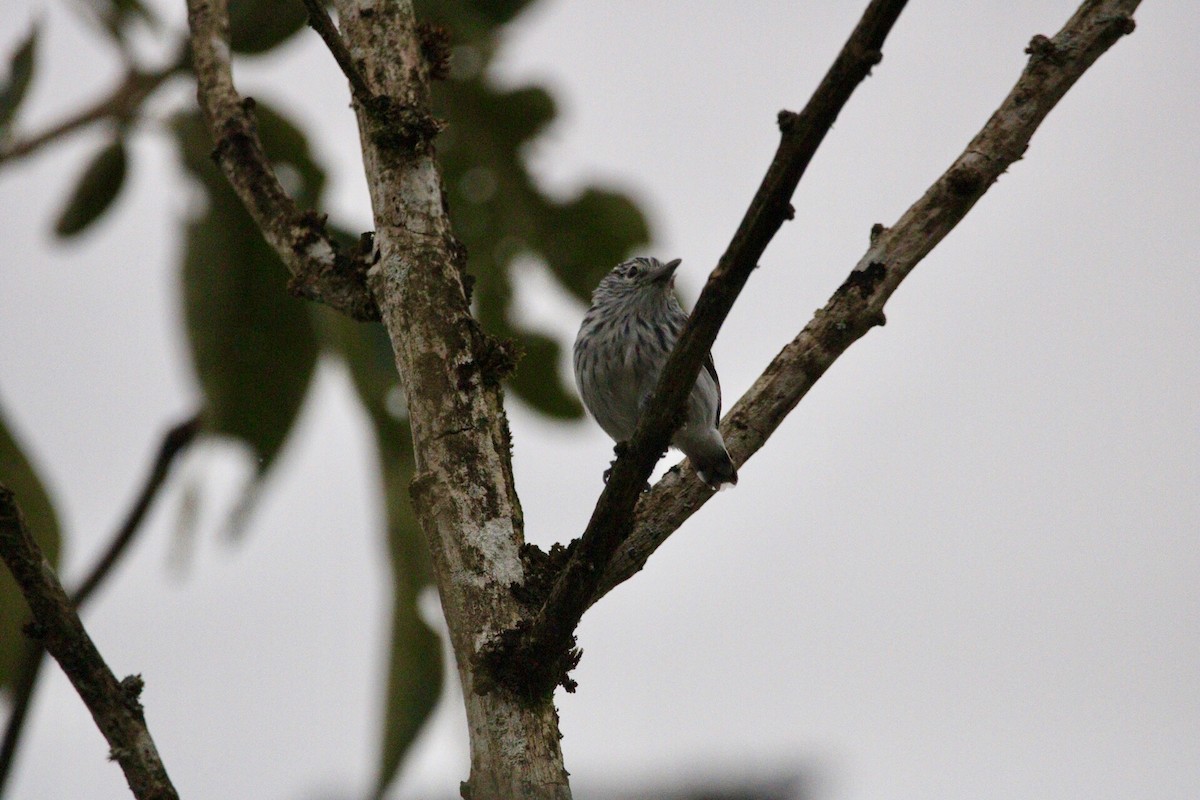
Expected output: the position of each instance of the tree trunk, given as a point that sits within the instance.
(463, 491)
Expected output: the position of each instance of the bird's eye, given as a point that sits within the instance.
(632, 272)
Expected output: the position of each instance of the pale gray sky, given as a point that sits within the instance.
(966, 566)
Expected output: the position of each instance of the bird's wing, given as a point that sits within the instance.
(711, 369)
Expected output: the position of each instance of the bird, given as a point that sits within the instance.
(623, 344)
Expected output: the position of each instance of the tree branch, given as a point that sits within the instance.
(320, 270)
(176, 440)
(319, 21)
(120, 105)
(114, 705)
(1054, 66)
(545, 652)
(29, 667)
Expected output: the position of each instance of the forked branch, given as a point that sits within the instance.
(319, 21)
(1053, 68)
(320, 269)
(544, 652)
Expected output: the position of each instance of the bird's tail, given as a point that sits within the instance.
(713, 464)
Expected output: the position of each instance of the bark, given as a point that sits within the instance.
(175, 442)
(320, 269)
(114, 704)
(463, 490)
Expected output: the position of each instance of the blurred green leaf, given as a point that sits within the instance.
(367, 352)
(585, 238)
(501, 214)
(537, 380)
(134, 8)
(285, 145)
(469, 20)
(195, 148)
(256, 26)
(18, 474)
(98, 187)
(253, 345)
(415, 653)
(541, 358)
(414, 681)
(20, 75)
(115, 16)
(512, 118)
(415, 669)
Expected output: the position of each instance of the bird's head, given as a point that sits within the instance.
(638, 276)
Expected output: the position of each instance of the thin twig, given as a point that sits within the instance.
(121, 104)
(114, 705)
(546, 648)
(320, 269)
(176, 440)
(29, 666)
(1054, 67)
(319, 21)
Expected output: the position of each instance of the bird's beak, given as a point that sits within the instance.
(667, 271)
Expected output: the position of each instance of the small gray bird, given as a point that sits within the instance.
(621, 348)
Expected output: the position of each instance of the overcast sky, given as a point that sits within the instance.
(967, 566)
